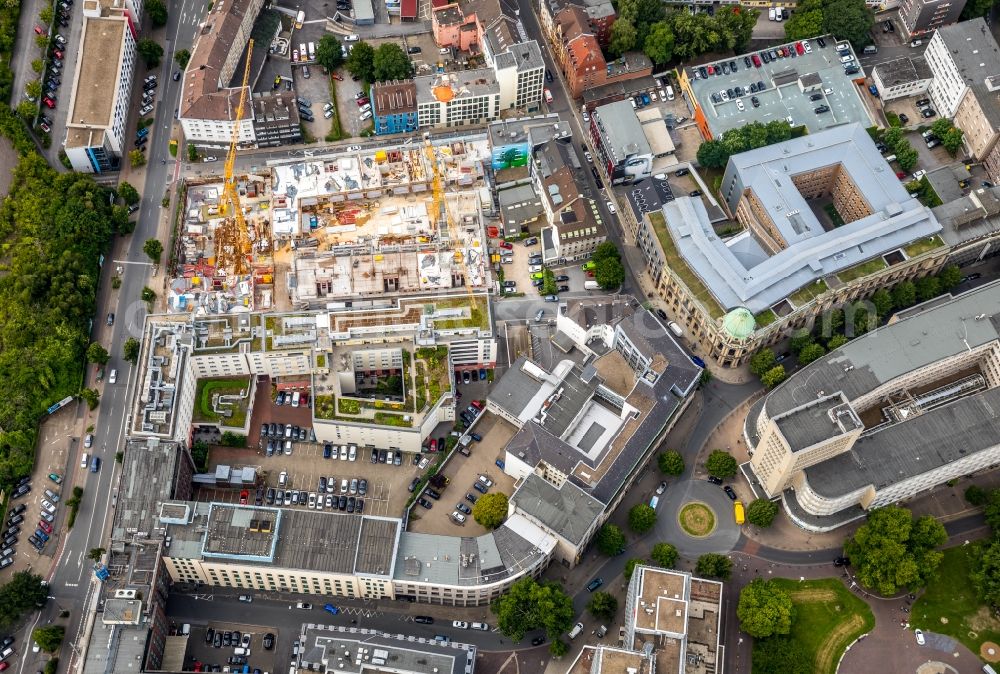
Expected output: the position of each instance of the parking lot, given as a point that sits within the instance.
(316, 90)
(462, 472)
(200, 650)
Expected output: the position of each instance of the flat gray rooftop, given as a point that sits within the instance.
(352, 650)
(242, 531)
(575, 394)
(376, 546)
(568, 510)
(844, 101)
(148, 477)
(817, 421)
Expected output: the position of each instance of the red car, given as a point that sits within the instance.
(362, 101)
(244, 497)
(900, 175)
(434, 445)
(57, 54)
(4, 665)
(45, 526)
(590, 274)
(39, 30)
(338, 77)
(507, 245)
(478, 405)
(49, 103)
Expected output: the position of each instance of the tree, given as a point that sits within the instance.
(624, 37)
(630, 566)
(712, 154)
(530, 605)
(157, 12)
(664, 555)
(800, 340)
(974, 8)
(52, 666)
(192, 152)
(781, 655)
(558, 648)
(182, 57)
(22, 593)
(329, 52)
(671, 462)
(490, 510)
(148, 294)
(361, 61)
(136, 158)
(736, 25)
(610, 274)
(985, 573)
(882, 301)
(811, 353)
(610, 540)
(641, 518)
(659, 44)
(96, 554)
(720, 464)
(231, 439)
(928, 288)
(904, 295)
(976, 495)
(906, 156)
(950, 277)
(762, 361)
(764, 609)
(836, 342)
(38, 65)
(603, 605)
(199, 454)
(153, 248)
(49, 638)
(806, 22)
(27, 110)
(941, 126)
(91, 397)
(97, 354)
(892, 551)
(45, 15)
(549, 286)
(130, 350)
(850, 20)
(773, 377)
(762, 512)
(149, 51)
(714, 565)
(605, 250)
(952, 141)
(128, 194)
(390, 62)
(33, 89)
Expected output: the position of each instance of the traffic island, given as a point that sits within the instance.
(696, 519)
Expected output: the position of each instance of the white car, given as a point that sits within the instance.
(586, 118)
(146, 109)
(828, 91)
(354, 148)
(534, 268)
(724, 95)
(352, 453)
(919, 174)
(343, 452)
(590, 157)
(88, 441)
(460, 624)
(352, 38)
(483, 627)
(305, 606)
(611, 207)
(207, 160)
(367, 114)
(920, 637)
(48, 506)
(740, 106)
(312, 501)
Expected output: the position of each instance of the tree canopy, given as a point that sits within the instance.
(985, 574)
(603, 605)
(720, 464)
(329, 52)
(361, 61)
(531, 605)
(892, 551)
(390, 62)
(150, 51)
(24, 592)
(641, 518)
(608, 272)
(716, 153)
(610, 540)
(490, 510)
(670, 462)
(764, 609)
(153, 248)
(761, 512)
(157, 12)
(97, 354)
(850, 20)
(49, 638)
(714, 565)
(664, 554)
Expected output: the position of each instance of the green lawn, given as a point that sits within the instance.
(207, 388)
(922, 246)
(808, 293)
(828, 618)
(949, 604)
(765, 318)
(863, 269)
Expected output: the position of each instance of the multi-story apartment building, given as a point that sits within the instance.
(923, 16)
(394, 107)
(885, 417)
(210, 94)
(902, 77)
(787, 265)
(621, 146)
(102, 85)
(600, 17)
(520, 73)
(457, 99)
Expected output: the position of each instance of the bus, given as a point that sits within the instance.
(738, 511)
(299, 19)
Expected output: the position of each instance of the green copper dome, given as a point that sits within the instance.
(739, 323)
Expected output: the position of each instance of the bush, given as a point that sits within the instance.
(603, 605)
(976, 495)
(230, 439)
(762, 512)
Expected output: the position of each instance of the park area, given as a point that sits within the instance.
(950, 606)
(828, 619)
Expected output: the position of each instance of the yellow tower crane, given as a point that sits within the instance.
(232, 240)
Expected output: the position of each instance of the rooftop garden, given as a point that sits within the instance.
(765, 318)
(861, 270)
(474, 316)
(679, 267)
(231, 412)
(808, 293)
(918, 248)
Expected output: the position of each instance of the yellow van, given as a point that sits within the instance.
(738, 511)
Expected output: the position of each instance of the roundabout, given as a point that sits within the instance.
(696, 517)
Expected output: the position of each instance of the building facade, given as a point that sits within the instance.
(924, 16)
(394, 107)
(95, 126)
(902, 77)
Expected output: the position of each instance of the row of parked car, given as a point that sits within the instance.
(482, 485)
(17, 515)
